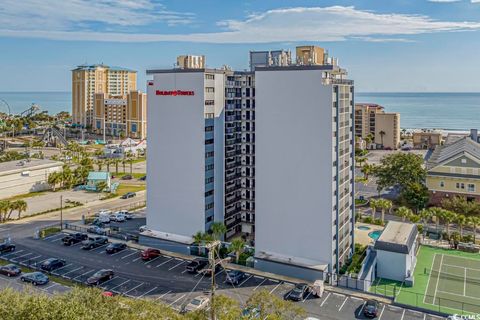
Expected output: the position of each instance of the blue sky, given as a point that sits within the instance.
(394, 45)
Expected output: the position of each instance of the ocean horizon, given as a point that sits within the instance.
(418, 110)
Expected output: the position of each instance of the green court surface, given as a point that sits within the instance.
(446, 281)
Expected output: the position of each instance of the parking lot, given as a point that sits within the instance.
(165, 279)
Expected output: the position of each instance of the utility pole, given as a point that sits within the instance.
(211, 258)
(61, 212)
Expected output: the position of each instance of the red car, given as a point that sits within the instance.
(150, 253)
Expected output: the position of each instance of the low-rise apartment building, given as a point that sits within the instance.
(427, 139)
(454, 170)
(121, 116)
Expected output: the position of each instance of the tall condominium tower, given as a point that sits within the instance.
(90, 79)
(304, 152)
(269, 153)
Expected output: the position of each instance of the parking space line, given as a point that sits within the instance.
(184, 271)
(65, 274)
(161, 264)
(53, 285)
(403, 314)
(181, 262)
(141, 284)
(56, 270)
(163, 295)
(339, 294)
(14, 252)
(424, 316)
(57, 239)
(114, 254)
(344, 301)
(136, 259)
(326, 298)
(308, 296)
(52, 236)
(217, 273)
(108, 281)
(361, 309)
(359, 299)
(381, 313)
(128, 255)
(144, 294)
(103, 245)
(121, 284)
(259, 283)
(244, 281)
(271, 291)
(16, 258)
(149, 261)
(171, 304)
(93, 270)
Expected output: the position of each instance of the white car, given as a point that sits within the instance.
(127, 214)
(103, 212)
(143, 228)
(197, 303)
(104, 218)
(118, 217)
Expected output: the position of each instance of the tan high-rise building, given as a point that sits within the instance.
(310, 55)
(90, 79)
(191, 62)
(121, 116)
(372, 120)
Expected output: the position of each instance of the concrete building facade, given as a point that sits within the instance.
(121, 116)
(276, 58)
(90, 79)
(427, 139)
(371, 121)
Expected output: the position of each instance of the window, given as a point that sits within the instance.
(442, 184)
(98, 124)
(209, 154)
(209, 193)
(209, 167)
(209, 141)
(471, 187)
(134, 127)
(209, 102)
(210, 89)
(209, 180)
(209, 76)
(460, 185)
(208, 128)
(209, 206)
(209, 115)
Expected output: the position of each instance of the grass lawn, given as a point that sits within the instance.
(436, 290)
(135, 175)
(124, 188)
(386, 287)
(26, 195)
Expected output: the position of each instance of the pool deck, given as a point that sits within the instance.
(361, 236)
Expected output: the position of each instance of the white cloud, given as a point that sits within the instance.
(444, 1)
(334, 23)
(475, 1)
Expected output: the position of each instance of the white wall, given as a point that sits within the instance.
(294, 165)
(391, 265)
(176, 155)
(18, 183)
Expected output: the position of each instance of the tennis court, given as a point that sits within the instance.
(454, 282)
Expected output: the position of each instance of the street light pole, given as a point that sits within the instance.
(61, 212)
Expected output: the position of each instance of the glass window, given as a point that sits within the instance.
(134, 127)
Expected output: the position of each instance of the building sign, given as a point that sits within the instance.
(174, 93)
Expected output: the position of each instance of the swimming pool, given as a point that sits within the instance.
(363, 228)
(375, 234)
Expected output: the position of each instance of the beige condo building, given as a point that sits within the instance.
(121, 116)
(90, 79)
(384, 127)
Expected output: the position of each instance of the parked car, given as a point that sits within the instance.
(118, 217)
(115, 247)
(73, 238)
(35, 278)
(104, 217)
(406, 148)
(197, 303)
(150, 254)
(10, 270)
(52, 263)
(97, 230)
(298, 293)
(143, 178)
(127, 177)
(143, 228)
(7, 247)
(208, 271)
(126, 214)
(94, 242)
(196, 265)
(370, 309)
(103, 211)
(128, 195)
(100, 276)
(234, 277)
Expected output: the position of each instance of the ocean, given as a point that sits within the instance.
(448, 111)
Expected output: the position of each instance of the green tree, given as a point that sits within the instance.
(415, 195)
(274, 308)
(101, 186)
(425, 215)
(385, 205)
(474, 222)
(4, 209)
(404, 213)
(218, 230)
(367, 169)
(460, 220)
(54, 178)
(448, 217)
(382, 134)
(374, 205)
(237, 246)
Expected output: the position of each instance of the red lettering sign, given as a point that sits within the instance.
(174, 93)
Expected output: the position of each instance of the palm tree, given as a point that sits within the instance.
(101, 186)
(54, 178)
(404, 213)
(20, 206)
(237, 245)
(382, 134)
(198, 239)
(437, 213)
(474, 222)
(385, 205)
(413, 218)
(367, 169)
(116, 161)
(67, 176)
(218, 230)
(461, 220)
(448, 217)
(4, 207)
(425, 215)
(108, 162)
(100, 164)
(374, 204)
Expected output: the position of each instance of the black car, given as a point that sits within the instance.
(115, 247)
(35, 278)
(7, 247)
(129, 195)
(298, 293)
(196, 265)
(370, 309)
(10, 270)
(127, 177)
(143, 178)
(52, 263)
(100, 276)
(234, 277)
(70, 239)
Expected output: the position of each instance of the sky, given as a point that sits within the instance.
(386, 46)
